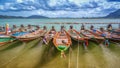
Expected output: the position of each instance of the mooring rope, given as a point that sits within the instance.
(78, 55)
(69, 59)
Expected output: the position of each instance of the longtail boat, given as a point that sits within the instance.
(21, 31)
(5, 36)
(31, 36)
(115, 37)
(116, 31)
(49, 35)
(5, 39)
(104, 34)
(77, 36)
(93, 36)
(15, 29)
(62, 41)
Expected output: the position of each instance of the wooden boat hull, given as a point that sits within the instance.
(115, 40)
(26, 36)
(115, 37)
(117, 31)
(76, 36)
(6, 39)
(48, 37)
(2, 32)
(57, 40)
(93, 37)
(28, 39)
(111, 36)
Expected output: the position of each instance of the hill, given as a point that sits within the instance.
(115, 14)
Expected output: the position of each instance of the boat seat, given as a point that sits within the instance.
(62, 37)
(59, 41)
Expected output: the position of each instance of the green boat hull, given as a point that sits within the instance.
(62, 47)
(6, 39)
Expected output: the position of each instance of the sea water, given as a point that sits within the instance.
(31, 54)
(47, 22)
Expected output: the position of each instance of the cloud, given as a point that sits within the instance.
(114, 0)
(59, 8)
(1, 7)
(19, 1)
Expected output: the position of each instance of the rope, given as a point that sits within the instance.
(78, 56)
(69, 58)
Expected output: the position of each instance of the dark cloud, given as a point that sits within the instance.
(60, 5)
(113, 0)
(90, 5)
(7, 1)
(40, 4)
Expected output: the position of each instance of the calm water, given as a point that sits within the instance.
(42, 22)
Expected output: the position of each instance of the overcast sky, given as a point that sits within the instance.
(59, 8)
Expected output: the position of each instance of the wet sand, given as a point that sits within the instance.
(35, 54)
